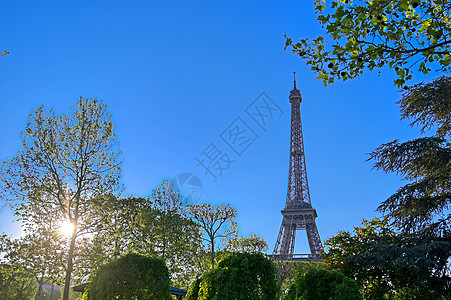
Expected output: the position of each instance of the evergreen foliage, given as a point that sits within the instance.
(426, 162)
(406, 256)
(391, 265)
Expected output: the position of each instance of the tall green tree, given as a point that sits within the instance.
(157, 225)
(413, 260)
(67, 162)
(399, 34)
(425, 162)
(41, 251)
(217, 222)
(420, 209)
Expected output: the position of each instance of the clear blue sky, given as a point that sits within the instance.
(176, 74)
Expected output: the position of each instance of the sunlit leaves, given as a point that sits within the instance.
(15, 283)
(156, 225)
(401, 34)
(252, 244)
(69, 164)
(38, 254)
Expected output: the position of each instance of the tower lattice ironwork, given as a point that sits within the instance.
(298, 213)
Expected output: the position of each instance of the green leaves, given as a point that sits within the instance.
(38, 255)
(69, 166)
(404, 33)
(156, 225)
(317, 283)
(238, 276)
(131, 276)
(16, 283)
(427, 162)
(389, 265)
(252, 244)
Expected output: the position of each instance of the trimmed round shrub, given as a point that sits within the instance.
(131, 276)
(238, 276)
(316, 283)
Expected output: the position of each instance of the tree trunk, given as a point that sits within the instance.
(212, 254)
(69, 267)
(38, 293)
(51, 295)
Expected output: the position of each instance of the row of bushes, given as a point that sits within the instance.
(237, 276)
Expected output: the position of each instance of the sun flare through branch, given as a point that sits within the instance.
(67, 229)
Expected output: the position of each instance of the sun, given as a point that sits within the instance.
(67, 229)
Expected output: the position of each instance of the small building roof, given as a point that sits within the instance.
(174, 291)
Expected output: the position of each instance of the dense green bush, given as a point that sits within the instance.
(316, 283)
(238, 276)
(193, 292)
(131, 276)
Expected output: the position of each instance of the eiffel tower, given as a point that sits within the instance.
(298, 213)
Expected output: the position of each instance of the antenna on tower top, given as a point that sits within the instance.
(294, 74)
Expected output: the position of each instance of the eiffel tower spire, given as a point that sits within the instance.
(298, 213)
